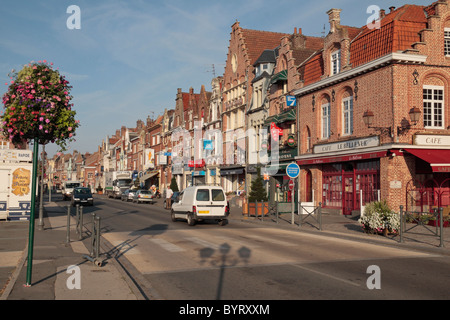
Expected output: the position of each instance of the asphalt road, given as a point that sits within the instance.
(244, 261)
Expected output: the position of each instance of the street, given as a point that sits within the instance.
(245, 261)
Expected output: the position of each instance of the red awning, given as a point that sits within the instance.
(439, 159)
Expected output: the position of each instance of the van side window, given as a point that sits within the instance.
(217, 195)
(202, 195)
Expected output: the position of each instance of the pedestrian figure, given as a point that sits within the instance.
(169, 194)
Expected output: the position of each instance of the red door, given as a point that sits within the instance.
(348, 200)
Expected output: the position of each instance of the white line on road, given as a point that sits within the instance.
(326, 275)
(167, 245)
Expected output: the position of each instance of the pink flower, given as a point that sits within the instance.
(69, 128)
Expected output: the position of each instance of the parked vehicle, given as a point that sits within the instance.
(128, 195)
(197, 203)
(116, 182)
(68, 189)
(82, 196)
(144, 196)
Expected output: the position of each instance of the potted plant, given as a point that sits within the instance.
(257, 200)
(378, 218)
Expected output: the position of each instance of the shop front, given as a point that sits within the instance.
(430, 187)
(344, 183)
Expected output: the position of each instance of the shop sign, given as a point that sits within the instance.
(291, 141)
(275, 131)
(432, 140)
(348, 145)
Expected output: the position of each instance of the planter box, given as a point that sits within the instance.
(252, 210)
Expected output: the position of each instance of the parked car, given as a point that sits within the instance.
(82, 196)
(128, 195)
(144, 196)
(197, 203)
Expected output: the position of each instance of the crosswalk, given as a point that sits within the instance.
(196, 249)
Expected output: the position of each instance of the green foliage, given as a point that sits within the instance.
(174, 185)
(37, 105)
(378, 216)
(257, 193)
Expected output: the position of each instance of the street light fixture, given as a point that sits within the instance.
(414, 115)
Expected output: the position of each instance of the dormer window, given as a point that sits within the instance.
(335, 62)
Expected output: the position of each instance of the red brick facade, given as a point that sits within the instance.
(389, 69)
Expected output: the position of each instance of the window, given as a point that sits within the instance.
(202, 195)
(217, 195)
(433, 105)
(326, 121)
(335, 62)
(347, 108)
(447, 41)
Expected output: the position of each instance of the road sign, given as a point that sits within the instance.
(291, 184)
(291, 101)
(293, 170)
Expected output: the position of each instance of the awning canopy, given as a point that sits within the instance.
(280, 76)
(290, 115)
(149, 175)
(439, 159)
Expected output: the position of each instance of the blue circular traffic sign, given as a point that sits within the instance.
(293, 170)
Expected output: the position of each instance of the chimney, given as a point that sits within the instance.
(334, 17)
(391, 9)
(382, 13)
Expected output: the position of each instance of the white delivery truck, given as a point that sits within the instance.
(116, 182)
(68, 187)
(199, 203)
(16, 170)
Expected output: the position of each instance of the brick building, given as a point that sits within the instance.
(357, 109)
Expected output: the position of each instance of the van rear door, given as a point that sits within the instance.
(210, 202)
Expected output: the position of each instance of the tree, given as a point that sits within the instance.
(173, 185)
(37, 108)
(257, 193)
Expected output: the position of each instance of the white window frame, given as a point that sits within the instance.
(433, 108)
(326, 121)
(335, 62)
(347, 116)
(447, 42)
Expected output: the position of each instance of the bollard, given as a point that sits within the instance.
(320, 216)
(97, 238)
(401, 224)
(80, 223)
(441, 222)
(68, 225)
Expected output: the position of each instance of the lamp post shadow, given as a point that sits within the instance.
(225, 260)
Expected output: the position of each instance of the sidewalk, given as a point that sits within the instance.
(418, 238)
(53, 255)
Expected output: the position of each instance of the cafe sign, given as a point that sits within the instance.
(348, 145)
(432, 140)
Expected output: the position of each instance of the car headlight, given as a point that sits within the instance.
(90, 199)
(76, 199)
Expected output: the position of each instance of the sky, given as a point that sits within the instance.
(128, 58)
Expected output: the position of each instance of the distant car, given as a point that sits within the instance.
(82, 196)
(144, 196)
(128, 195)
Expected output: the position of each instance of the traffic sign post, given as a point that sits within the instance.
(293, 171)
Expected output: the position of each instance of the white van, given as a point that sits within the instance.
(198, 203)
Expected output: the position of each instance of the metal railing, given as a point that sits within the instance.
(310, 212)
(421, 219)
